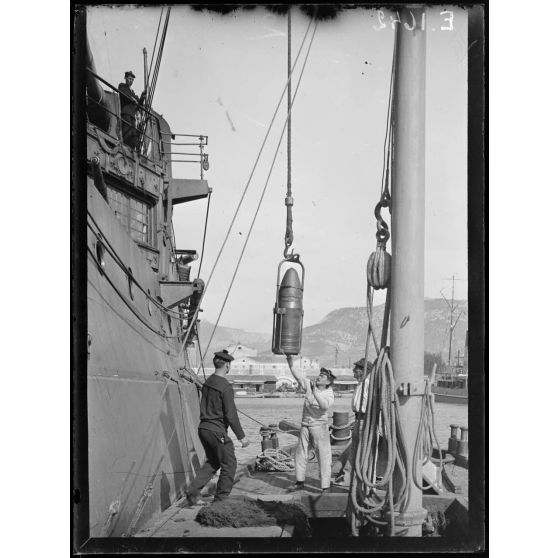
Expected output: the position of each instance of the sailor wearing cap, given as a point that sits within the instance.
(318, 399)
(129, 102)
(359, 404)
(217, 413)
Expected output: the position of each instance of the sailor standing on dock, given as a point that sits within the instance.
(359, 403)
(314, 429)
(217, 413)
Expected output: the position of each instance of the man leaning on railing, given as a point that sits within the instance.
(129, 103)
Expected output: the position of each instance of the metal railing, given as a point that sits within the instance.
(199, 157)
(145, 148)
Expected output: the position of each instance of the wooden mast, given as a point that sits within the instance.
(407, 279)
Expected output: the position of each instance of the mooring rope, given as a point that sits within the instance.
(275, 459)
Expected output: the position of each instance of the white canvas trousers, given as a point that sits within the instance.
(318, 438)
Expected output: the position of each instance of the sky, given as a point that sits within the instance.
(222, 76)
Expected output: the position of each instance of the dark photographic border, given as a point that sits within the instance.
(477, 541)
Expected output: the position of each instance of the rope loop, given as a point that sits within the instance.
(273, 459)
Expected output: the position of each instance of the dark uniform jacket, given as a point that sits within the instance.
(217, 407)
(127, 105)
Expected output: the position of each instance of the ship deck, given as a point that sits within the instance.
(179, 519)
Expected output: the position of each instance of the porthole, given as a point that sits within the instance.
(130, 283)
(100, 251)
(148, 300)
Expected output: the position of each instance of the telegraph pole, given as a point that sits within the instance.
(452, 309)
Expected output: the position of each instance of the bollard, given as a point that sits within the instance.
(266, 438)
(341, 432)
(462, 457)
(274, 438)
(452, 441)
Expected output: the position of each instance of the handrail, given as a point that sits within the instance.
(116, 90)
(119, 118)
(199, 136)
(203, 139)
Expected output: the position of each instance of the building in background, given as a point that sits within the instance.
(259, 372)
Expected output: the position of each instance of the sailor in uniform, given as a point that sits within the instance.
(217, 413)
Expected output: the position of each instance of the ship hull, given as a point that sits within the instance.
(142, 416)
(457, 396)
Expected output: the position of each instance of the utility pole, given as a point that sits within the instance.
(336, 354)
(407, 272)
(452, 309)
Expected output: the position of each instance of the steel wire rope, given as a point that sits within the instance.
(151, 92)
(154, 46)
(145, 115)
(159, 58)
(289, 234)
(260, 200)
(155, 77)
(112, 252)
(248, 182)
(389, 119)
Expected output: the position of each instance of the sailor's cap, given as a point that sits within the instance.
(224, 355)
(129, 73)
(328, 373)
(360, 364)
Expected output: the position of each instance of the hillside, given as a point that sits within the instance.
(346, 328)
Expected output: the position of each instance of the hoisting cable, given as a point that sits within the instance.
(289, 201)
(261, 198)
(246, 186)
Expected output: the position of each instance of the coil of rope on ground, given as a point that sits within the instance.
(274, 459)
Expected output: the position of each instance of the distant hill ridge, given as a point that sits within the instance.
(346, 329)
